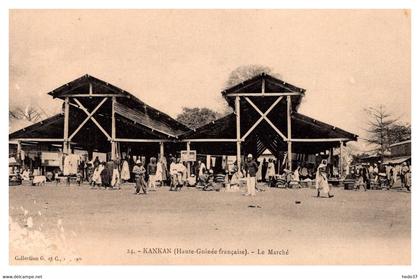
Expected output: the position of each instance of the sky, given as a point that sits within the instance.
(347, 60)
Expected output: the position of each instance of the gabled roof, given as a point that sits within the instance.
(271, 84)
(134, 117)
(89, 84)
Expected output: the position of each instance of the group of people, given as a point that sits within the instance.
(385, 176)
(112, 173)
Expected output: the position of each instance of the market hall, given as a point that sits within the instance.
(103, 122)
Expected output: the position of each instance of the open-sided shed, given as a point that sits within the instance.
(99, 116)
(266, 117)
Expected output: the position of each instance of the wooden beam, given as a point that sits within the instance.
(321, 140)
(266, 94)
(95, 95)
(263, 116)
(66, 125)
(93, 119)
(40, 139)
(238, 131)
(89, 116)
(210, 140)
(289, 133)
(263, 86)
(341, 159)
(188, 163)
(113, 132)
(18, 151)
(162, 150)
(142, 140)
(266, 119)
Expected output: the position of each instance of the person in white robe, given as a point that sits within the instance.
(321, 180)
(159, 172)
(125, 171)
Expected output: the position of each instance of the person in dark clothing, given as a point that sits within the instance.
(106, 176)
(96, 162)
(139, 172)
(264, 169)
(365, 176)
(130, 167)
(251, 169)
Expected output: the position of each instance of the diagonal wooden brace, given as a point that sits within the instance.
(90, 116)
(264, 116)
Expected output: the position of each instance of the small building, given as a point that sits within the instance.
(400, 152)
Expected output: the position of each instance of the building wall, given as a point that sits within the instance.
(401, 149)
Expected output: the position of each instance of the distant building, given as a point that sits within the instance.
(400, 152)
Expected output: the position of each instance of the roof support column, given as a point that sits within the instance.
(289, 134)
(113, 132)
(18, 151)
(162, 151)
(66, 125)
(188, 162)
(341, 159)
(238, 132)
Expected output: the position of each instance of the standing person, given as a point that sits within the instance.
(264, 170)
(105, 176)
(151, 171)
(115, 181)
(159, 172)
(201, 168)
(96, 162)
(271, 172)
(393, 175)
(182, 174)
(388, 175)
(174, 174)
(251, 169)
(125, 170)
(405, 170)
(365, 177)
(397, 174)
(321, 180)
(259, 171)
(96, 176)
(375, 172)
(131, 164)
(81, 170)
(139, 172)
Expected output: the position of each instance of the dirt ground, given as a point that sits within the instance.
(77, 225)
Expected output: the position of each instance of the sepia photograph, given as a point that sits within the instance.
(209, 137)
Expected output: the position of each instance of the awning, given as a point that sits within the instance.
(397, 160)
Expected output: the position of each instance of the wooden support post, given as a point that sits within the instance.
(341, 159)
(188, 163)
(18, 151)
(331, 155)
(289, 134)
(162, 151)
(238, 131)
(66, 126)
(113, 132)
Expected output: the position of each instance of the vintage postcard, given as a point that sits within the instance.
(211, 137)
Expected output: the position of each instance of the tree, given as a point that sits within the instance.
(399, 132)
(245, 72)
(29, 113)
(196, 117)
(381, 123)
